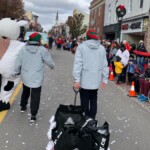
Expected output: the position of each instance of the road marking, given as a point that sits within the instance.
(12, 99)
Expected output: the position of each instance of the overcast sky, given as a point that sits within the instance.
(46, 9)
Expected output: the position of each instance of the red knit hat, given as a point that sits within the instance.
(35, 37)
(91, 34)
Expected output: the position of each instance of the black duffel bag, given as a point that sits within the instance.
(100, 136)
(73, 138)
(69, 115)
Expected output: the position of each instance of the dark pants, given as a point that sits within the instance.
(118, 76)
(123, 75)
(50, 45)
(35, 98)
(65, 48)
(144, 86)
(113, 67)
(89, 101)
(130, 75)
(58, 46)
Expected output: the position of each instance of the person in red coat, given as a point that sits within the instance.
(59, 43)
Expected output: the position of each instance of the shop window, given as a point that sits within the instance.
(141, 3)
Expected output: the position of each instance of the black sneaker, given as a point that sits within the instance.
(23, 109)
(33, 119)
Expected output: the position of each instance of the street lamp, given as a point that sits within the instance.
(119, 28)
(121, 12)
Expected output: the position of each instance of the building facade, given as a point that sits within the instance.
(134, 24)
(97, 9)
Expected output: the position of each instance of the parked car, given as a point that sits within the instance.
(44, 40)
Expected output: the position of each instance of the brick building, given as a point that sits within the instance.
(97, 9)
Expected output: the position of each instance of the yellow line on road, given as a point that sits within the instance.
(13, 97)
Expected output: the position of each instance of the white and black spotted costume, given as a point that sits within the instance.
(9, 29)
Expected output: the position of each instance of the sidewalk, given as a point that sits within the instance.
(125, 89)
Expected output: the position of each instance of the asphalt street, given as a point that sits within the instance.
(129, 121)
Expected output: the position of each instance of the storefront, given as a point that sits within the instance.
(110, 32)
(134, 31)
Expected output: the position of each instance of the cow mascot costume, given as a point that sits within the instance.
(9, 49)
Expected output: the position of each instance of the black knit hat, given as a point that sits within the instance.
(132, 56)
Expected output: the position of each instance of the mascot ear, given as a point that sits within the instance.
(22, 23)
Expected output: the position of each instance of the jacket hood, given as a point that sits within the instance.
(32, 49)
(93, 44)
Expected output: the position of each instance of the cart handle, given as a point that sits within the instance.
(76, 93)
(76, 90)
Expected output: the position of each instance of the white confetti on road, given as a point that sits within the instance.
(112, 142)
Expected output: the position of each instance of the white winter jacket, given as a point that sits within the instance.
(124, 56)
(90, 65)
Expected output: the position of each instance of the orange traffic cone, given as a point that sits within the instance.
(111, 76)
(132, 91)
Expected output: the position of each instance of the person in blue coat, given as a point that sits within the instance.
(30, 64)
(90, 72)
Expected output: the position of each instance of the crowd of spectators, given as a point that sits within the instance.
(129, 67)
(125, 64)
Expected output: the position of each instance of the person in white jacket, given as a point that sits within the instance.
(123, 53)
(90, 70)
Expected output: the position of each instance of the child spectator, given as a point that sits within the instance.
(131, 68)
(118, 69)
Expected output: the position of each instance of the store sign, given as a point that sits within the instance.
(125, 27)
(136, 25)
(132, 26)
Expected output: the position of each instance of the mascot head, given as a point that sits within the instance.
(11, 28)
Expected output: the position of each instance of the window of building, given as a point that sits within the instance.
(130, 5)
(141, 3)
